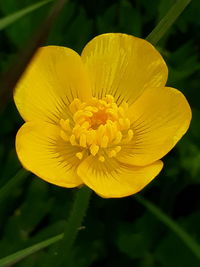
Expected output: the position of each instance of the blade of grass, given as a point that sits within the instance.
(8, 20)
(12, 183)
(19, 255)
(172, 225)
(167, 21)
(12, 75)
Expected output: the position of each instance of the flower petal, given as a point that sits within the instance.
(111, 179)
(123, 66)
(160, 117)
(55, 76)
(42, 151)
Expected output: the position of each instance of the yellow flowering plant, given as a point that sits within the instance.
(103, 118)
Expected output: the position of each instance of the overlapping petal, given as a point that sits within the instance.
(159, 119)
(123, 66)
(55, 76)
(42, 151)
(112, 179)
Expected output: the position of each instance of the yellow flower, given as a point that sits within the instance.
(103, 119)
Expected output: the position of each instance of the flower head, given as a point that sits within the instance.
(103, 119)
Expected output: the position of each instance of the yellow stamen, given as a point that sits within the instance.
(85, 125)
(73, 140)
(130, 135)
(94, 149)
(83, 140)
(101, 158)
(74, 106)
(79, 155)
(127, 123)
(118, 137)
(91, 137)
(100, 123)
(104, 142)
(109, 99)
(64, 136)
(112, 113)
(112, 154)
(100, 133)
(65, 125)
(118, 148)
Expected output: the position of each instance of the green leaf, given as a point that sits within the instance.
(7, 188)
(167, 21)
(8, 20)
(180, 232)
(172, 252)
(15, 257)
(38, 202)
(132, 243)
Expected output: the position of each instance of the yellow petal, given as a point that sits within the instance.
(42, 151)
(160, 117)
(111, 179)
(55, 76)
(123, 66)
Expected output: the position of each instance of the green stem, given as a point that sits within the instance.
(12, 183)
(73, 225)
(167, 21)
(179, 231)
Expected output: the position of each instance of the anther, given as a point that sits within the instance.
(79, 155)
(92, 109)
(73, 140)
(109, 130)
(112, 113)
(130, 135)
(74, 106)
(101, 158)
(101, 130)
(82, 140)
(87, 113)
(112, 154)
(118, 137)
(85, 125)
(118, 148)
(121, 111)
(104, 142)
(91, 137)
(94, 149)
(77, 115)
(64, 136)
(65, 124)
(127, 123)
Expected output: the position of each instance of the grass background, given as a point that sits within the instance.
(118, 232)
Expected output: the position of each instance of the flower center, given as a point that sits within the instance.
(99, 127)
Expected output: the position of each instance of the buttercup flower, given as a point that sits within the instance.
(103, 119)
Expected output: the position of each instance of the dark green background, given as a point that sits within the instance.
(118, 232)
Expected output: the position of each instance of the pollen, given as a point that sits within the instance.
(100, 127)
